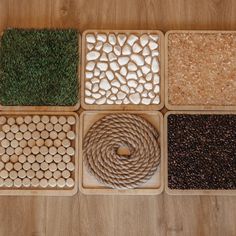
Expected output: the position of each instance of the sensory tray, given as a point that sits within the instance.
(200, 70)
(116, 153)
(122, 69)
(200, 152)
(39, 68)
(38, 153)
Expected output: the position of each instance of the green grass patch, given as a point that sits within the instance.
(39, 67)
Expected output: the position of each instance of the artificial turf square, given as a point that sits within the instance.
(39, 67)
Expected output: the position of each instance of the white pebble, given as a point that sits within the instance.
(112, 39)
(114, 66)
(132, 83)
(145, 69)
(120, 78)
(156, 89)
(87, 92)
(89, 100)
(126, 101)
(88, 85)
(117, 50)
(138, 59)
(125, 89)
(139, 73)
(148, 60)
(102, 75)
(90, 38)
(108, 93)
(149, 77)
(95, 88)
(110, 102)
(151, 94)
(126, 50)
(148, 86)
(132, 66)
(146, 51)
(144, 40)
(112, 56)
(144, 93)
(113, 97)
(156, 79)
(114, 90)
(97, 72)
(155, 65)
(89, 75)
(137, 48)
(107, 48)
(115, 83)
(154, 37)
(156, 100)
(123, 71)
(104, 84)
(132, 75)
(139, 88)
(110, 75)
(146, 101)
(101, 37)
(123, 60)
(90, 65)
(93, 56)
(102, 92)
(121, 95)
(102, 66)
(131, 40)
(96, 95)
(101, 101)
(155, 53)
(118, 102)
(152, 45)
(135, 98)
(103, 57)
(95, 80)
(98, 46)
(142, 80)
(121, 39)
(90, 46)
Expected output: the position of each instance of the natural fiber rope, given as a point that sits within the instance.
(113, 131)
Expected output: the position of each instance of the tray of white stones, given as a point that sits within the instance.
(122, 69)
(38, 153)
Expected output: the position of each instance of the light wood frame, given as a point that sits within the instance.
(41, 191)
(191, 191)
(191, 107)
(53, 108)
(156, 118)
(123, 106)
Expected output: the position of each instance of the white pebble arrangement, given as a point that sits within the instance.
(37, 151)
(122, 68)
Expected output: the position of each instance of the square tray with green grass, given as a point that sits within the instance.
(39, 67)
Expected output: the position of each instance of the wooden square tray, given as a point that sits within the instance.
(124, 106)
(38, 157)
(51, 108)
(190, 191)
(89, 185)
(209, 76)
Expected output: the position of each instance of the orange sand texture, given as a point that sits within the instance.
(202, 68)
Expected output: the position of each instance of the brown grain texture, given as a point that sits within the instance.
(91, 215)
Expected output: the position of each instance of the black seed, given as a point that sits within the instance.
(201, 151)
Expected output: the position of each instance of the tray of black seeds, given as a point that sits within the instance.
(200, 153)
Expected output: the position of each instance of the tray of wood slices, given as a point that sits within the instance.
(200, 152)
(200, 70)
(122, 152)
(38, 153)
(36, 75)
(122, 69)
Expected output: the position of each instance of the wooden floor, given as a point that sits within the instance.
(118, 215)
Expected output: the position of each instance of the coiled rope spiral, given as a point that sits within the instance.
(110, 133)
